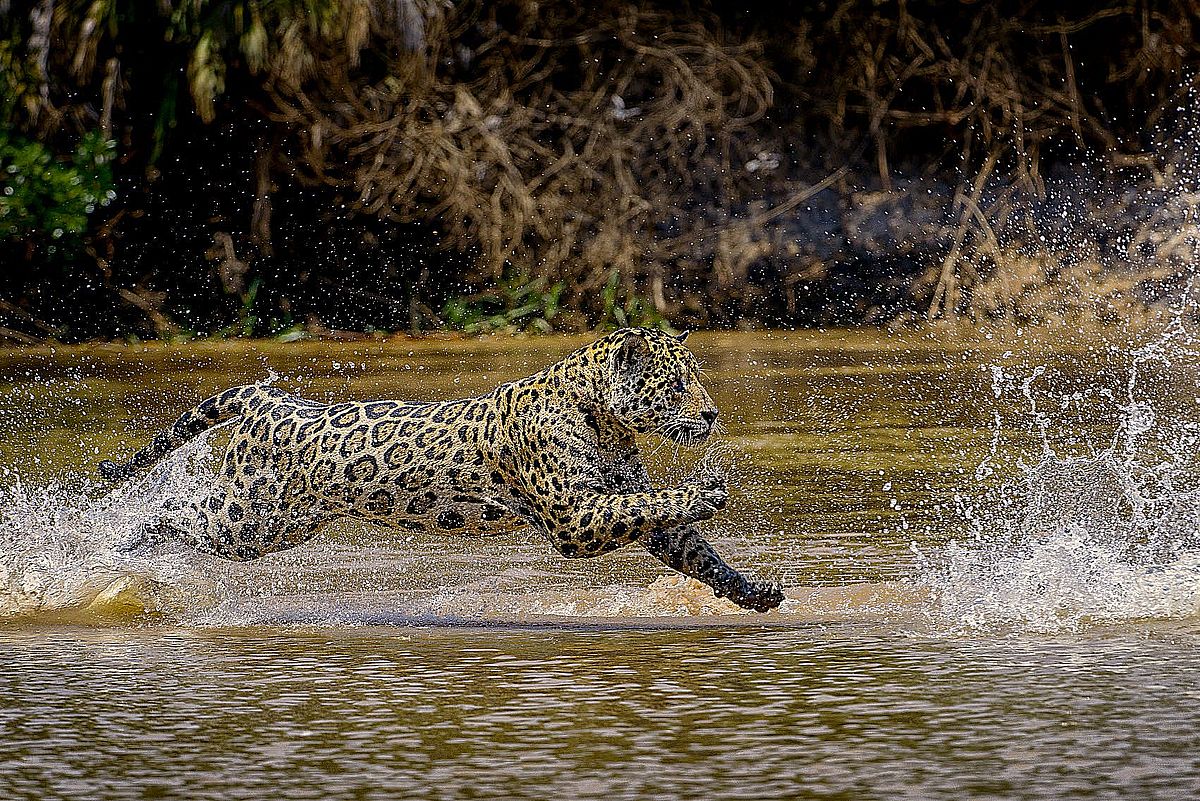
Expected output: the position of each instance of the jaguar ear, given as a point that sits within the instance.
(682, 336)
(631, 350)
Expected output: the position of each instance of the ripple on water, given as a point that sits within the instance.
(847, 710)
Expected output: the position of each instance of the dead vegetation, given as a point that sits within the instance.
(568, 142)
(838, 163)
(679, 150)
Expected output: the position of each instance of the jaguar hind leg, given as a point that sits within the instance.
(230, 527)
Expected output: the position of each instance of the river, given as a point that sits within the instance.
(989, 552)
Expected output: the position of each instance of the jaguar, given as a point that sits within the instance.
(556, 452)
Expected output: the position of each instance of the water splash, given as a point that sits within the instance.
(61, 544)
(1074, 538)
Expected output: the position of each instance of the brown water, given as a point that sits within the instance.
(1051, 653)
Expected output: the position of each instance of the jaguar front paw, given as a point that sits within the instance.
(761, 596)
(711, 494)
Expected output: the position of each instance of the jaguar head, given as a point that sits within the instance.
(655, 386)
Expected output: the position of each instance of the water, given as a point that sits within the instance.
(989, 552)
(723, 712)
(1098, 527)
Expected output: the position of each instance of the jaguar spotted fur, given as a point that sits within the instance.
(556, 451)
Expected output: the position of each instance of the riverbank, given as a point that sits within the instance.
(790, 166)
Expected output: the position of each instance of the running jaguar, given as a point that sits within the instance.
(556, 451)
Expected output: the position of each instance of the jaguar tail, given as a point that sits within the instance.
(215, 410)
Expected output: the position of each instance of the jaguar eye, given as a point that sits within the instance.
(679, 385)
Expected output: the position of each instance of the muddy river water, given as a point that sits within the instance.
(990, 554)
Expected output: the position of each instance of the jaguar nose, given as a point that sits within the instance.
(709, 416)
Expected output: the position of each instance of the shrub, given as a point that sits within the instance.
(48, 199)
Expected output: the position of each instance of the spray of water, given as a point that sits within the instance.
(1108, 534)
(64, 547)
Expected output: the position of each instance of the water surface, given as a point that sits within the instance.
(992, 592)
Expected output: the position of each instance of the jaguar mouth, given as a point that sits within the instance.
(688, 432)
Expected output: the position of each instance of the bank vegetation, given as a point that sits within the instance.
(282, 167)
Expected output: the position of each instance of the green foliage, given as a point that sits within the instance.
(635, 310)
(516, 304)
(94, 51)
(14, 77)
(250, 321)
(524, 304)
(45, 197)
